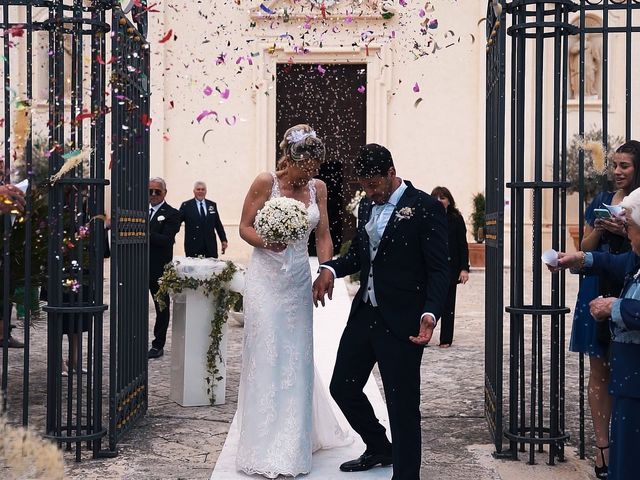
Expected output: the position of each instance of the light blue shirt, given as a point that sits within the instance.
(380, 214)
(387, 208)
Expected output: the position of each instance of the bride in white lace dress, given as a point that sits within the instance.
(281, 400)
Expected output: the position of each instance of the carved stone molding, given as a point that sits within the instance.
(285, 10)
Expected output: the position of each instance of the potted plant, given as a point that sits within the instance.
(476, 250)
(596, 177)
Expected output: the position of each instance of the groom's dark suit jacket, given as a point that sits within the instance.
(199, 235)
(410, 269)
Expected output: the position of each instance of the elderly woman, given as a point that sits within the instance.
(623, 312)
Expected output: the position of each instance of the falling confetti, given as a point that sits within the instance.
(204, 135)
(417, 102)
(101, 61)
(167, 36)
(266, 9)
(416, 87)
(361, 89)
(204, 114)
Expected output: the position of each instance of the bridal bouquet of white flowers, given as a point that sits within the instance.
(282, 220)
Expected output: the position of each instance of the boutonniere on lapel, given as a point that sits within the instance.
(160, 218)
(211, 210)
(405, 213)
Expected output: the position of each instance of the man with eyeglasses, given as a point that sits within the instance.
(164, 224)
(201, 222)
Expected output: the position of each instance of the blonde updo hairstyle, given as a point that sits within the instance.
(300, 143)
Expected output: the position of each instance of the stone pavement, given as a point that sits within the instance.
(174, 442)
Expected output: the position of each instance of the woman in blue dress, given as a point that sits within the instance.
(603, 235)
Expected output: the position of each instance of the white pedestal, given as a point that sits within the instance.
(191, 325)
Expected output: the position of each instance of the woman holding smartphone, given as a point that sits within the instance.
(603, 232)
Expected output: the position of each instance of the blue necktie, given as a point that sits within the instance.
(202, 215)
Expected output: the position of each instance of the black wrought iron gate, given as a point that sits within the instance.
(494, 237)
(130, 260)
(56, 72)
(555, 75)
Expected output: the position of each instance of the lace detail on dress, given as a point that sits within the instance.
(312, 191)
(277, 382)
(275, 188)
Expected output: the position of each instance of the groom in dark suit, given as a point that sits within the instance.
(401, 251)
(201, 222)
(164, 223)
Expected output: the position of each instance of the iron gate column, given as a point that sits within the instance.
(537, 318)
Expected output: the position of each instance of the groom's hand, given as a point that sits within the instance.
(323, 285)
(427, 324)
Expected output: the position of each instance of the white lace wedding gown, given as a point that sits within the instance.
(283, 410)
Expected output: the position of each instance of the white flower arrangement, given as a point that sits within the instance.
(352, 206)
(160, 218)
(404, 213)
(299, 134)
(282, 220)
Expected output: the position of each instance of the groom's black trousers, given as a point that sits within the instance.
(365, 341)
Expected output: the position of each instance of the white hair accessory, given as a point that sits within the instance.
(299, 134)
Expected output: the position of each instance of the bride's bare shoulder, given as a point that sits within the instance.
(264, 179)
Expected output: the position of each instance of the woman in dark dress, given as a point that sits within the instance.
(458, 261)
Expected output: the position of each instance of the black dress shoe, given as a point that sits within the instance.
(155, 352)
(366, 461)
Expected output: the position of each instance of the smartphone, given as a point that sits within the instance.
(602, 213)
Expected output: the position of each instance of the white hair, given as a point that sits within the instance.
(199, 183)
(631, 204)
(160, 181)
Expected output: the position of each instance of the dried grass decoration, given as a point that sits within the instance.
(21, 127)
(597, 151)
(71, 160)
(26, 455)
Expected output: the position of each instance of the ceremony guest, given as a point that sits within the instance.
(164, 223)
(400, 250)
(201, 222)
(283, 412)
(587, 336)
(622, 313)
(458, 261)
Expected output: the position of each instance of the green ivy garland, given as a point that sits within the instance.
(217, 289)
